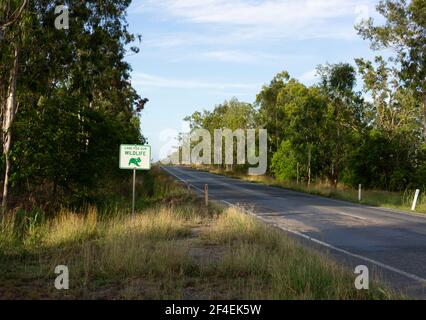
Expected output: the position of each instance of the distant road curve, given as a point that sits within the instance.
(392, 244)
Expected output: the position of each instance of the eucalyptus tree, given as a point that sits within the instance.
(344, 113)
(231, 114)
(271, 114)
(394, 107)
(73, 88)
(404, 32)
(11, 17)
(305, 110)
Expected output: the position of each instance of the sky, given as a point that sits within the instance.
(195, 54)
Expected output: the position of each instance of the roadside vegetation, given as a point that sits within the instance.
(362, 122)
(175, 248)
(66, 101)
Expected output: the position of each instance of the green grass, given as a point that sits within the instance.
(175, 248)
(378, 198)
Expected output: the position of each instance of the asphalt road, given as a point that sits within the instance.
(392, 244)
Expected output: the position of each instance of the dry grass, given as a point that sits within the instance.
(176, 250)
(270, 265)
(102, 250)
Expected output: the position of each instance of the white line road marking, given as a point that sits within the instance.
(322, 243)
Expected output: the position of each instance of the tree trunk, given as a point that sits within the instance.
(309, 163)
(276, 129)
(8, 118)
(298, 173)
(336, 176)
(424, 116)
(337, 165)
(5, 185)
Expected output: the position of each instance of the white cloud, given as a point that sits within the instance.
(230, 56)
(247, 56)
(148, 80)
(296, 18)
(362, 13)
(258, 13)
(309, 77)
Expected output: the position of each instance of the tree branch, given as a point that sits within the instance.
(15, 16)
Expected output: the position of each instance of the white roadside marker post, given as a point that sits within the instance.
(416, 197)
(360, 192)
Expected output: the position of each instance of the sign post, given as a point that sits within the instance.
(134, 192)
(135, 157)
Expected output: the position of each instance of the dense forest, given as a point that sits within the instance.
(339, 131)
(66, 98)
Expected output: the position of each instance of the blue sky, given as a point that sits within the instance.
(197, 53)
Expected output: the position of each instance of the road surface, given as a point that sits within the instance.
(392, 244)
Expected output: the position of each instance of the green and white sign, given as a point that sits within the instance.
(135, 157)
